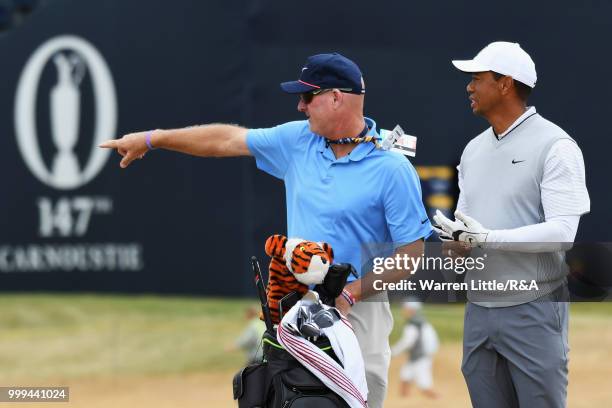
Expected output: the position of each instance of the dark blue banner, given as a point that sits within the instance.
(77, 73)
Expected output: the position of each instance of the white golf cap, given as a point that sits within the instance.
(505, 58)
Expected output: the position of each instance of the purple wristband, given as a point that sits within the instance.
(148, 139)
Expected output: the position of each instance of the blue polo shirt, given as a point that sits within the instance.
(369, 197)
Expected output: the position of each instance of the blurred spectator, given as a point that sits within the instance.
(420, 339)
(250, 339)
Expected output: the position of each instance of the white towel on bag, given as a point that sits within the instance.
(348, 382)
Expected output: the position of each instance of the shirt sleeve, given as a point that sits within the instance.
(272, 147)
(405, 214)
(563, 183)
(549, 236)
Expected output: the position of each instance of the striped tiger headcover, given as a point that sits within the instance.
(296, 263)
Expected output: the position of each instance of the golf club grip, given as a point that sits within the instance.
(261, 290)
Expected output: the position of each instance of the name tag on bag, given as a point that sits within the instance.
(397, 141)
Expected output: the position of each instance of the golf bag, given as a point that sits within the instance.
(280, 381)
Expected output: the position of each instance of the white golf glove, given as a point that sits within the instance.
(463, 229)
(440, 218)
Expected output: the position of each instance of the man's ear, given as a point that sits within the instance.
(506, 84)
(338, 99)
(275, 246)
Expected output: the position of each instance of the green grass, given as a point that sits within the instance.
(76, 336)
(71, 336)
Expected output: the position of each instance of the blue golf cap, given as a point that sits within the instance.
(325, 71)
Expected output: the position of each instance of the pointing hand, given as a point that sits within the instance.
(131, 146)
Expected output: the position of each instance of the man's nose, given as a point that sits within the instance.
(470, 87)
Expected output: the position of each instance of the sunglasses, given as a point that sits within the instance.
(307, 97)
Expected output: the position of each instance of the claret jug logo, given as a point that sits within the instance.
(72, 58)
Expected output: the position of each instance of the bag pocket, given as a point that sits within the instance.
(299, 388)
(249, 386)
(309, 401)
(301, 380)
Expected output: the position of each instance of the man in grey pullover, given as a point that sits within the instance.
(522, 192)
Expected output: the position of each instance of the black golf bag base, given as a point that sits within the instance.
(280, 381)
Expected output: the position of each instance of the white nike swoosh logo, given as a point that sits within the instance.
(304, 69)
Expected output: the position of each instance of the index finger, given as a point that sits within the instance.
(109, 144)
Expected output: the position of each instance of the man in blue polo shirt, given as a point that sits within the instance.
(340, 187)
